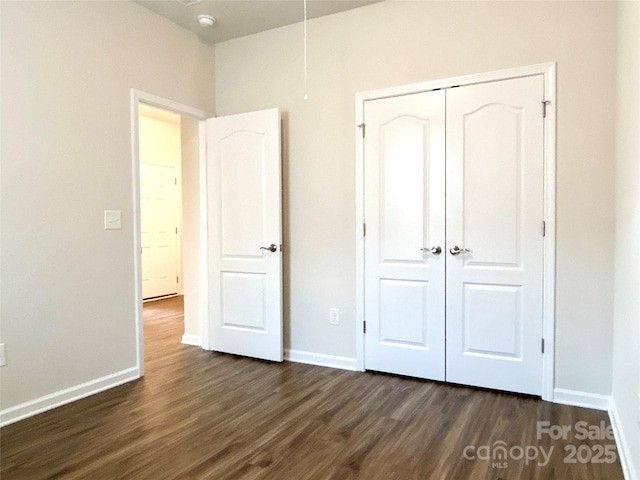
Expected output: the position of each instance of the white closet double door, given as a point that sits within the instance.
(454, 234)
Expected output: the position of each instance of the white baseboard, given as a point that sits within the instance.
(576, 398)
(68, 395)
(333, 361)
(601, 402)
(189, 339)
(628, 468)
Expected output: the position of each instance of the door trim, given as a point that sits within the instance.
(136, 97)
(548, 70)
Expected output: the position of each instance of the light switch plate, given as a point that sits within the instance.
(3, 355)
(112, 219)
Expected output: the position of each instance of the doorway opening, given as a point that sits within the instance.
(160, 155)
(169, 190)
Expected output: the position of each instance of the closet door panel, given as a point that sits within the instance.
(404, 213)
(494, 234)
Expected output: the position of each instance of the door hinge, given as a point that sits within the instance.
(544, 228)
(364, 229)
(177, 281)
(175, 181)
(176, 230)
(364, 327)
(363, 127)
(542, 345)
(545, 103)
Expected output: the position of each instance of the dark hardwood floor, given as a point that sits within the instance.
(203, 415)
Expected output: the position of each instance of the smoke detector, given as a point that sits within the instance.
(206, 20)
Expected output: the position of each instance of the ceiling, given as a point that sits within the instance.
(238, 18)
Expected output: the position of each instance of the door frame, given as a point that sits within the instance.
(548, 70)
(136, 97)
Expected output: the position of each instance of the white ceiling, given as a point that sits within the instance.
(238, 18)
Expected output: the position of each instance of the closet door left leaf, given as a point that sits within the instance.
(405, 228)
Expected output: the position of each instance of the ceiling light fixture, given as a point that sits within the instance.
(206, 20)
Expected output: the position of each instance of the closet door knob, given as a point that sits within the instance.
(272, 248)
(435, 250)
(456, 250)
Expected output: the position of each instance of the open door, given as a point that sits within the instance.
(245, 234)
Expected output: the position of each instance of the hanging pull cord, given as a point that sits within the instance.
(305, 49)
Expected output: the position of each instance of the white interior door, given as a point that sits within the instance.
(159, 234)
(495, 217)
(244, 216)
(404, 214)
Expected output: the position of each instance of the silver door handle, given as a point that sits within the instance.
(272, 248)
(456, 250)
(435, 250)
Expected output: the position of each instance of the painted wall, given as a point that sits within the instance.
(626, 346)
(160, 142)
(67, 284)
(402, 42)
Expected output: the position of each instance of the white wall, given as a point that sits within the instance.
(67, 70)
(626, 346)
(396, 43)
(160, 142)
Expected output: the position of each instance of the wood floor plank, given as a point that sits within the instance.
(203, 415)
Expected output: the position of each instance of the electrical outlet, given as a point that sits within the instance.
(3, 355)
(112, 219)
(334, 316)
